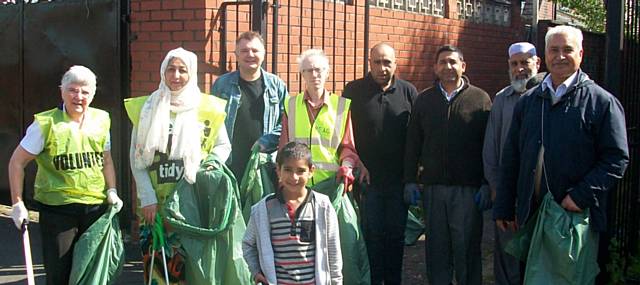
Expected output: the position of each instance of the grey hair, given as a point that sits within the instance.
(79, 74)
(311, 53)
(564, 30)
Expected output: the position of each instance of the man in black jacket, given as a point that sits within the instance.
(445, 137)
(380, 110)
(567, 137)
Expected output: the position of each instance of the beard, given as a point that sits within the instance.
(520, 85)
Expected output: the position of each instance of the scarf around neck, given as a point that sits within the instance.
(155, 119)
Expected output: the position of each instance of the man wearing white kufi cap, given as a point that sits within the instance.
(523, 67)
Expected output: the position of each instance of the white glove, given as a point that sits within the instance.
(19, 214)
(112, 198)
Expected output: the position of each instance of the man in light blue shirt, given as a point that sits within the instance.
(567, 138)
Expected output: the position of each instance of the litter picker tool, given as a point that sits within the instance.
(26, 242)
(158, 241)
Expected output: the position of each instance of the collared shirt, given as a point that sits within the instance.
(313, 108)
(453, 93)
(380, 119)
(562, 88)
(586, 151)
(347, 149)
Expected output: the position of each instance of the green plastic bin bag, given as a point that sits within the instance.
(206, 218)
(257, 181)
(415, 225)
(355, 269)
(98, 255)
(559, 246)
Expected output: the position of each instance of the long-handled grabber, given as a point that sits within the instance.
(157, 234)
(27, 252)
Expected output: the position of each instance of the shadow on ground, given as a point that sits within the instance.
(414, 271)
(13, 270)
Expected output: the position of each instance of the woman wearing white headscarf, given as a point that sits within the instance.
(173, 130)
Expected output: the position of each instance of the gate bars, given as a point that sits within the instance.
(623, 64)
(292, 26)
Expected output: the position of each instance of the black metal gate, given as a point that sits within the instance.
(291, 26)
(39, 42)
(624, 81)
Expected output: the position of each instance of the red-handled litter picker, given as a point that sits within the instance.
(27, 252)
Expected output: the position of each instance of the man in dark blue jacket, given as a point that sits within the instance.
(567, 137)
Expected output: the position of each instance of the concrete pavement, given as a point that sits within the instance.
(12, 268)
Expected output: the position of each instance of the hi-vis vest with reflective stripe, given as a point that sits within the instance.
(165, 173)
(70, 165)
(324, 136)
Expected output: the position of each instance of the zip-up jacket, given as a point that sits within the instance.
(227, 88)
(446, 137)
(585, 144)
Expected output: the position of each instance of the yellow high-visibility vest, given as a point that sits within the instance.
(70, 165)
(324, 136)
(165, 173)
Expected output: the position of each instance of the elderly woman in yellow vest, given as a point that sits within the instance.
(75, 178)
(173, 130)
(321, 120)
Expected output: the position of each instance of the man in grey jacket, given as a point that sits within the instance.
(523, 67)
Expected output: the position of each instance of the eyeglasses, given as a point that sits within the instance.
(315, 70)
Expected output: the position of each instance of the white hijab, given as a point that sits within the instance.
(155, 118)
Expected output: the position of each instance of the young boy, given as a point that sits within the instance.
(292, 236)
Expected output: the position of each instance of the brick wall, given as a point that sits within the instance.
(546, 11)
(417, 38)
(158, 26)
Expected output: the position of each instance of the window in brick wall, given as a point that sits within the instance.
(347, 2)
(493, 12)
(427, 7)
(7, 2)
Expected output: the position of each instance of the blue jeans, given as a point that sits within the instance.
(384, 217)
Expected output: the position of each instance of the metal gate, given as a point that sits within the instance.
(39, 42)
(626, 208)
(289, 27)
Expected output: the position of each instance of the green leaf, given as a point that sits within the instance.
(590, 12)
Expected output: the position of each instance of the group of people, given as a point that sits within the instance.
(556, 135)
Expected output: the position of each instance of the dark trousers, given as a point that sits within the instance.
(60, 227)
(453, 226)
(506, 268)
(384, 217)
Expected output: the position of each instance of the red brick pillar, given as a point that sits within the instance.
(160, 26)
